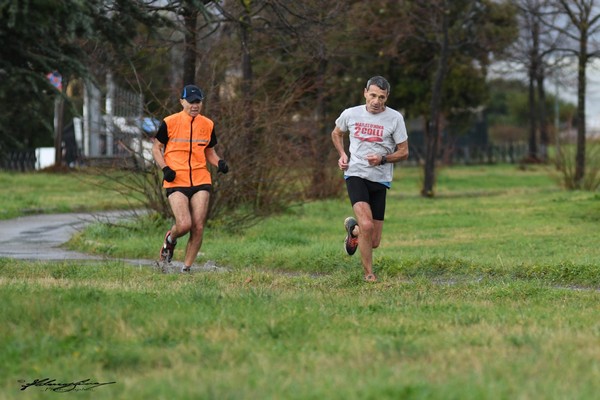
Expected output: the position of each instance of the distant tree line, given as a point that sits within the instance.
(277, 73)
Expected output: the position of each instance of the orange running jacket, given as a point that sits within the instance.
(184, 152)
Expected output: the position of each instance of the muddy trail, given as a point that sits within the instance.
(42, 238)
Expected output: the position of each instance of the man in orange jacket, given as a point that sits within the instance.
(183, 147)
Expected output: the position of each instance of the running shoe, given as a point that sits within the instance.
(167, 249)
(351, 241)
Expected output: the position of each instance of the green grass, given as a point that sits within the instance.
(255, 334)
(488, 291)
(486, 221)
(47, 192)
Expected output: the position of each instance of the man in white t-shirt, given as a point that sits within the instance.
(378, 139)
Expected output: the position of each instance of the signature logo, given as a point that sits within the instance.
(62, 387)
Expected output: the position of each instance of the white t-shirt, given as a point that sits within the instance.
(371, 134)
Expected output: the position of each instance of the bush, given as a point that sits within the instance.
(566, 165)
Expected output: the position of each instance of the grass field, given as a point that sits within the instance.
(46, 192)
(489, 291)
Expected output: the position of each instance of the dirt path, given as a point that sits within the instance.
(40, 237)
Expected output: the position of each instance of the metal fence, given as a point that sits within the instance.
(510, 153)
(19, 160)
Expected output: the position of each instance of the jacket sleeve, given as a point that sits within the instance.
(162, 134)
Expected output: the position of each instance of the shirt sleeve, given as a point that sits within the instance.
(213, 139)
(400, 135)
(162, 135)
(342, 121)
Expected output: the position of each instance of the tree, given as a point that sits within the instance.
(584, 18)
(39, 37)
(508, 110)
(534, 54)
(257, 72)
(455, 31)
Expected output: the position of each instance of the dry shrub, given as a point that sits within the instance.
(566, 165)
(134, 176)
(278, 156)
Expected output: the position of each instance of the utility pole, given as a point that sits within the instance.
(59, 105)
(110, 113)
(556, 126)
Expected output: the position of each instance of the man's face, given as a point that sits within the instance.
(376, 98)
(193, 108)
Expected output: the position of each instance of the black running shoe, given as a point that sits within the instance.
(167, 249)
(351, 241)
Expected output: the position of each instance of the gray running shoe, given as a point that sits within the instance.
(167, 249)
(351, 241)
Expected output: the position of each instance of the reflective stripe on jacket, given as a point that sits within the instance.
(184, 152)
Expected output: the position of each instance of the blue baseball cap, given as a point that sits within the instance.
(192, 93)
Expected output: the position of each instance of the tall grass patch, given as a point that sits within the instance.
(487, 221)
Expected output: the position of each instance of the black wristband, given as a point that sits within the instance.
(383, 160)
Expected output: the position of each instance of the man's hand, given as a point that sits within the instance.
(223, 167)
(168, 174)
(374, 159)
(343, 162)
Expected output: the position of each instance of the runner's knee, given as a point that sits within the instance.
(183, 227)
(366, 227)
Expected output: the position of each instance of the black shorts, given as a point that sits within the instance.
(374, 193)
(189, 191)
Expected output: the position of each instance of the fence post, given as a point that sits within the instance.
(110, 98)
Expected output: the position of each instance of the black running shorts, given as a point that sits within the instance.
(189, 191)
(374, 193)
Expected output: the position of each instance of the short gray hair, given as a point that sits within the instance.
(380, 82)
